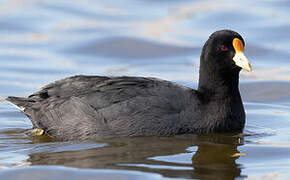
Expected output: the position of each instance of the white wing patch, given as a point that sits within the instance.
(21, 108)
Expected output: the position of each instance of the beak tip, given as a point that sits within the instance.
(241, 61)
(249, 67)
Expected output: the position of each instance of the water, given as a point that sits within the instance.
(42, 41)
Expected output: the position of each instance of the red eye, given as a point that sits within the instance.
(224, 48)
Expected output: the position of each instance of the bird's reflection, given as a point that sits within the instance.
(214, 158)
(216, 161)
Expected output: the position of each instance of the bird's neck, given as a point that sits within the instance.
(221, 105)
(218, 84)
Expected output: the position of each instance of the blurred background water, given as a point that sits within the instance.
(43, 41)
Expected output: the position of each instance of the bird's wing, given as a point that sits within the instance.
(86, 106)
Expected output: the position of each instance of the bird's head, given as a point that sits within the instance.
(224, 50)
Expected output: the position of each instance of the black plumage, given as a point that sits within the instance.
(92, 107)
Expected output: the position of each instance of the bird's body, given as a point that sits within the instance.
(95, 106)
(92, 107)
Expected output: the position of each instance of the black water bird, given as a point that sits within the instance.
(92, 107)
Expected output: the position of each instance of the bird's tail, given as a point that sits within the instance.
(19, 102)
(2, 99)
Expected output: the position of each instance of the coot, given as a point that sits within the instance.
(92, 107)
